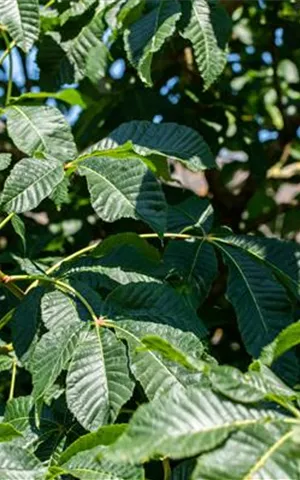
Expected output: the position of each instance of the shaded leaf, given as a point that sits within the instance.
(153, 302)
(209, 55)
(147, 35)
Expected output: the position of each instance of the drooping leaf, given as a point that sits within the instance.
(155, 373)
(19, 228)
(147, 35)
(153, 302)
(75, 9)
(210, 56)
(98, 381)
(51, 356)
(261, 303)
(21, 18)
(125, 189)
(78, 49)
(30, 181)
(287, 339)
(195, 212)
(41, 129)
(193, 261)
(5, 160)
(183, 423)
(168, 140)
(282, 257)
(263, 452)
(19, 463)
(25, 324)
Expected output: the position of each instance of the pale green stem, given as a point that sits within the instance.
(167, 469)
(13, 380)
(6, 220)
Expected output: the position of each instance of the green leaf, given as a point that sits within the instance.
(51, 356)
(166, 139)
(121, 189)
(98, 381)
(19, 228)
(261, 303)
(21, 17)
(25, 324)
(193, 261)
(287, 339)
(146, 36)
(195, 212)
(265, 452)
(153, 302)
(8, 432)
(249, 387)
(6, 363)
(59, 310)
(209, 55)
(183, 471)
(281, 256)
(75, 9)
(60, 194)
(97, 63)
(104, 436)
(30, 181)
(17, 463)
(155, 373)
(183, 423)
(79, 49)
(67, 95)
(41, 129)
(86, 466)
(5, 160)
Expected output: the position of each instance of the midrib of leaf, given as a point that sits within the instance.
(264, 458)
(103, 360)
(138, 340)
(247, 285)
(154, 35)
(205, 38)
(31, 123)
(195, 260)
(94, 172)
(33, 184)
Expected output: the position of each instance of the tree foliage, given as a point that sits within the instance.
(149, 240)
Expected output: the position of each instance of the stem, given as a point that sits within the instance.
(6, 220)
(50, 3)
(13, 380)
(167, 469)
(72, 257)
(14, 289)
(60, 285)
(7, 317)
(7, 51)
(182, 236)
(10, 69)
